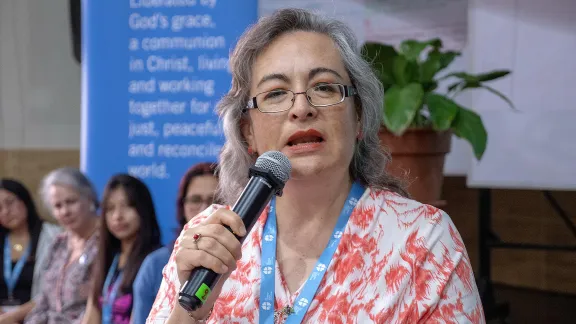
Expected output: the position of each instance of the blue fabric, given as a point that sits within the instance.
(147, 283)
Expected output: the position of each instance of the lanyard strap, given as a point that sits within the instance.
(109, 295)
(11, 276)
(310, 288)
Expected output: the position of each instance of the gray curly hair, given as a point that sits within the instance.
(369, 160)
(71, 177)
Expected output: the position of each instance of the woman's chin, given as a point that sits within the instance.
(317, 168)
(76, 225)
(305, 170)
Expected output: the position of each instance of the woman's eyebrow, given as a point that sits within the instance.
(274, 76)
(318, 70)
(283, 77)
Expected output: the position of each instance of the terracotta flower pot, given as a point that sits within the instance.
(418, 157)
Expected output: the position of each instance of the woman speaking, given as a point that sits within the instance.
(301, 87)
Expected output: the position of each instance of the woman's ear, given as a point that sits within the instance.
(359, 132)
(247, 132)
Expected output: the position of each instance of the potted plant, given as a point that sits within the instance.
(418, 121)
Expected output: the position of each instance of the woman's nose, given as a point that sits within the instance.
(117, 215)
(302, 109)
(204, 204)
(65, 210)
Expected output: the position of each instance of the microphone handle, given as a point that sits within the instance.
(256, 195)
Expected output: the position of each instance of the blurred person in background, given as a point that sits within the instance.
(73, 202)
(25, 240)
(195, 193)
(129, 233)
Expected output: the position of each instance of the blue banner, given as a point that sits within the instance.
(153, 71)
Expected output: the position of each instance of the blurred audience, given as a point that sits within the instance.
(75, 273)
(195, 193)
(25, 240)
(67, 270)
(129, 233)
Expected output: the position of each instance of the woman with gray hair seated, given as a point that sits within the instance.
(71, 198)
(343, 244)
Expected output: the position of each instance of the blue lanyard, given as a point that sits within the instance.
(311, 286)
(109, 295)
(11, 276)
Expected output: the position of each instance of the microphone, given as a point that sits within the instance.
(267, 178)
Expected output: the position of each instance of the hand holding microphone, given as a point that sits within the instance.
(207, 253)
(210, 245)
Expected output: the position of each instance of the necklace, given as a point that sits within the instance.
(18, 247)
(281, 314)
(297, 311)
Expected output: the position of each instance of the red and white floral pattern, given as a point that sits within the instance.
(399, 261)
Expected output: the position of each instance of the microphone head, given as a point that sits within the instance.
(276, 163)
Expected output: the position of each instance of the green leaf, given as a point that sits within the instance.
(405, 71)
(412, 49)
(436, 62)
(429, 86)
(442, 111)
(470, 85)
(447, 58)
(476, 84)
(420, 121)
(401, 104)
(499, 94)
(461, 75)
(468, 125)
(455, 85)
(483, 77)
(429, 68)
(381, 56)
(493, 75)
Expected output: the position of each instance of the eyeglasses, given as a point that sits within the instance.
(320, 95)
(197, 200)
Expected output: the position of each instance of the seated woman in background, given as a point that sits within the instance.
(129, 233)
(195, 193)
(25, 240)
(71, 198)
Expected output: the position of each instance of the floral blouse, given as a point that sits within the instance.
(398, 261)
(63, 298)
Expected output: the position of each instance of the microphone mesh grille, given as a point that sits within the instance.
(277, 163)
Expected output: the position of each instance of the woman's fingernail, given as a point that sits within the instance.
(224, 269)
(242, 231)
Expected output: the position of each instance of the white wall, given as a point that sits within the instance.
(39, 79)
(536, 147)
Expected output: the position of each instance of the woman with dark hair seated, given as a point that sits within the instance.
(195, 193)
(25, 241)
(129, 233)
